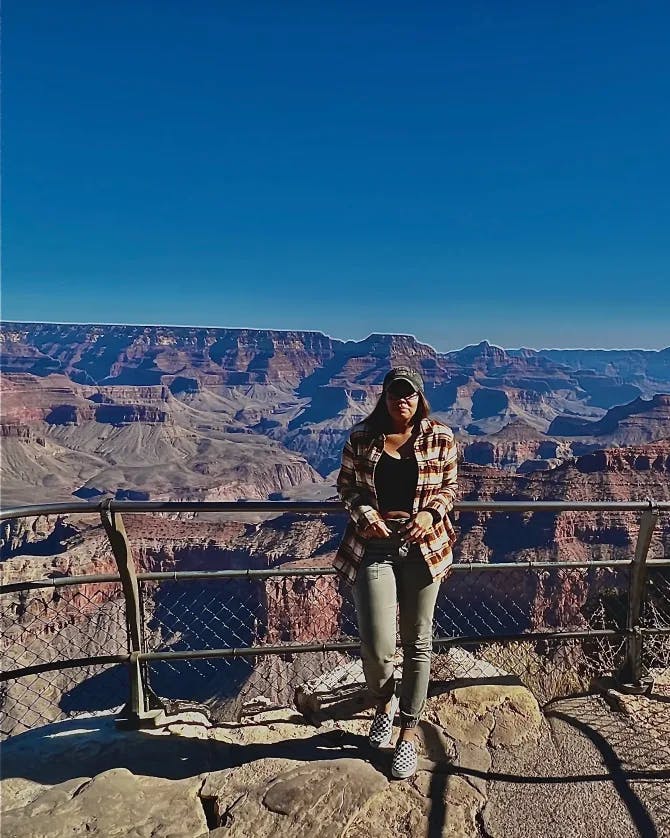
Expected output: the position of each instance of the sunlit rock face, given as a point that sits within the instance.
(44, 624)
(186, 413)
(515, 445)
(228, 414)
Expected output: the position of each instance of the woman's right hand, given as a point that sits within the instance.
(378, 530)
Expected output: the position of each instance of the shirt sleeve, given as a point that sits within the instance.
(362, 513)
(443, 500)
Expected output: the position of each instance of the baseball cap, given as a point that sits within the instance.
(404, 374)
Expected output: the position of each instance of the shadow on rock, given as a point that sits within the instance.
(87, 747)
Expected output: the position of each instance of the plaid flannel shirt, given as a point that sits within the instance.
(435, 451)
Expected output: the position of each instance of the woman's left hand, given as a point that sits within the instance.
(418, 526)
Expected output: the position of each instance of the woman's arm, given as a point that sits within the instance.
(363, 514)
(441, 502)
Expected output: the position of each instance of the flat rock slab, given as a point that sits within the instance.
(318, 799)
(598, 773)
(502, 715)
(115, 804)
(490, 763)
(87, 747)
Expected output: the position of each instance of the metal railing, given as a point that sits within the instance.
(168, 629)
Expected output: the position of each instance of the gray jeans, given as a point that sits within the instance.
(386, 580)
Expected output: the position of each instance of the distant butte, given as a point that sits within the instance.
(196, 413)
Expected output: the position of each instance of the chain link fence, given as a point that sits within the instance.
(478, 608)
(555, 626)
(656, 619)
(486, 620)
(44, 627)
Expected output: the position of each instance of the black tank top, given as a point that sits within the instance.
(395, 483)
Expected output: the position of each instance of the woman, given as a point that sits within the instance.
(397, 481)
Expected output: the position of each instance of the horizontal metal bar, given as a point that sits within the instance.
(249, 651)
(314, 507)
(52, 666)
(185, 575)
(58, 582)
(49, 509)
(157, 576)
(289, 649)
(652, 631)
(458, 567)
(665, 562)
(194, 575)
(487, 566)
(528, 637)
(557, 506)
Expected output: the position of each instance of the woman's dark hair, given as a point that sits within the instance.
(379, 420)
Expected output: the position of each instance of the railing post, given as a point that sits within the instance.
(630, 678)
(136, 713)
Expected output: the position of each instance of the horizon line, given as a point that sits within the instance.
(331, 337)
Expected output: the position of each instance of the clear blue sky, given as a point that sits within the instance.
(454, 170)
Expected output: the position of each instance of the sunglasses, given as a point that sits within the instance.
(400, 394)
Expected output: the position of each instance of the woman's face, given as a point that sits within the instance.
(402, 401)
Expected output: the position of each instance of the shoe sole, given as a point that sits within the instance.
(403, 776)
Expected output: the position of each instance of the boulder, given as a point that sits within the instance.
(319, 799)
(115, 803)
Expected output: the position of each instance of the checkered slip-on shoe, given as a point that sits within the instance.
(381, 729)
(404, 760)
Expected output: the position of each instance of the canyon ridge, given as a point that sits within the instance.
(175, 413)
(223, 414)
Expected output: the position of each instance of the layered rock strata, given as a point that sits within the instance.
(242, 612)
(301, 389)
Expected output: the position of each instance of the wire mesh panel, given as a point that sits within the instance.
(656, 612)
(656, 615)
(49, 625)
(495, 604)
(187, 615)
(503, 601)
(238, 612)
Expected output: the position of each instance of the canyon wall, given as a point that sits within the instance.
(231, 613)
(304, 390)
(229, 414)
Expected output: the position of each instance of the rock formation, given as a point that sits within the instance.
(99, 402)
(490, 763)
(515, 445)
(636, 423)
